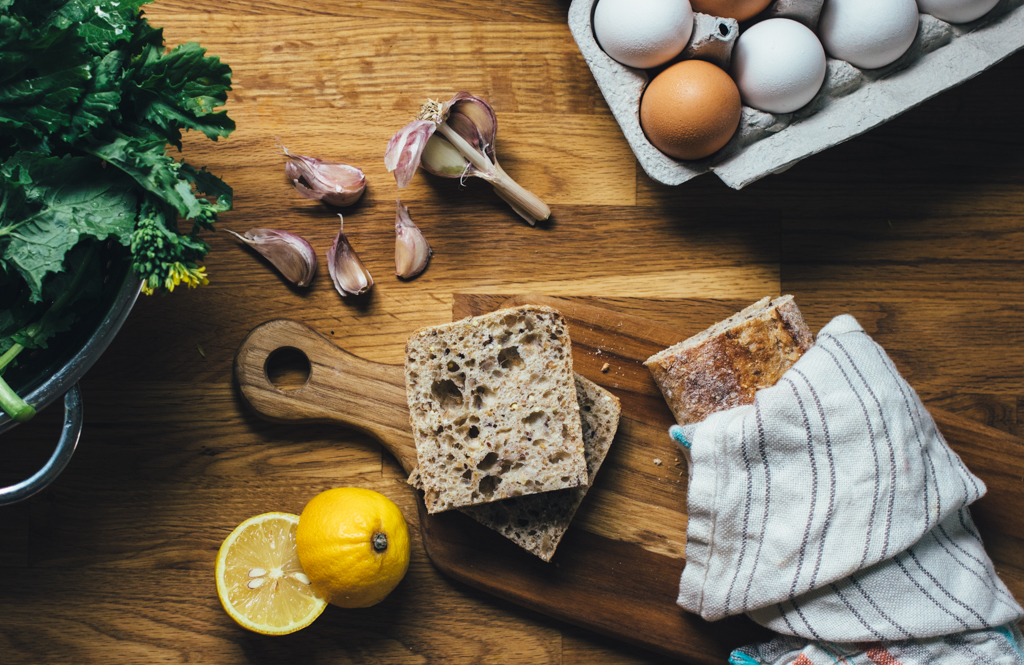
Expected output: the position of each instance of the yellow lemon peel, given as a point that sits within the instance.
(354, 545)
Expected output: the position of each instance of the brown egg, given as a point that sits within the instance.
(690, 110)
(740, 10)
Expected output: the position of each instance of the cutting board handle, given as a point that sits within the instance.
(341, 387)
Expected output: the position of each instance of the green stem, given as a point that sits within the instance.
(9, 230)
(11, 354)
(13, 405)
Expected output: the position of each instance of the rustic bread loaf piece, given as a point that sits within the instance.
(492, 403)
(726, 364)
(537, 522)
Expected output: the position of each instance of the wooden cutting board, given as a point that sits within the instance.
(617, 570)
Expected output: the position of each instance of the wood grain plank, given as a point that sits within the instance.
(453, 11)
(172, 617)
(564, 159)
(395, 65)
(1002, 413)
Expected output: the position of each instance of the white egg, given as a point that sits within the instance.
(643, 33)
(868, 33)
(778, 65)
(957, 11)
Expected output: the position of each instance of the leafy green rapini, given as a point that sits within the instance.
(89, 101)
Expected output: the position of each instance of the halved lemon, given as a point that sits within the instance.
(260, 581)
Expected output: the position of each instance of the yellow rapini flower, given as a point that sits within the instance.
(178, 274)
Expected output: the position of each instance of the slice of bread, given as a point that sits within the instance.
(492, 403)
(537, 522)
(726, 364)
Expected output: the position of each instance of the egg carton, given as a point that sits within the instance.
(851, 101)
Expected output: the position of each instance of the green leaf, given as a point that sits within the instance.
(213, 187)
(146, 162)
(72, 198)
(181, 89)
(70, 292)
(42, 75)
(108, 24)
(101, 99)
(99, 16)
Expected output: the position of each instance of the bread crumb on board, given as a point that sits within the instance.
(657, 462)
(605, 367)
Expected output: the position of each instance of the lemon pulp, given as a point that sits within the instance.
(260, 581)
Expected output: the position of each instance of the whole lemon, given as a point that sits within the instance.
(353, 544)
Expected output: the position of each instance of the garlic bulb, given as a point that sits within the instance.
(348, 273)
(330, 182)
(462, 146)
(412, 251)
(289, 253)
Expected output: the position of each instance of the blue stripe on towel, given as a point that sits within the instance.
(1011, 638)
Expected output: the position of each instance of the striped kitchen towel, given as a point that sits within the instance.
(833, 511)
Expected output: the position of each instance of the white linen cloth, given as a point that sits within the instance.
(832, 510)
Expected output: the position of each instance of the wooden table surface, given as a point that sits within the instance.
(915, 228)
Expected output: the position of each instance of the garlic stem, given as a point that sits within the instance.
(475, 157)
(521, 199)
(527, 204)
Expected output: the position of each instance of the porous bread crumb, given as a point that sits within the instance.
(725, 365)
(466, 384)
(537, 522)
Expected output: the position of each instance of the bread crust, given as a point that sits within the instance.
(725, 365)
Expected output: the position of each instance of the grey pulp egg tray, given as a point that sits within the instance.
(851, 101)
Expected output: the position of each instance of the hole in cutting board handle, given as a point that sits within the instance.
(287, 368)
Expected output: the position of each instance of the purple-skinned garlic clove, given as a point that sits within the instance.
(334, 183)
(289, 253)
(348, 273)
(412, 251)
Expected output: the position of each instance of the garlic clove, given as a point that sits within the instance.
(289, 253)
(412, 251)
(406, 148)
(333, 183)
(348, 273)
(441, 158)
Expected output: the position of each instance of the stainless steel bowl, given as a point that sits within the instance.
(60, 379)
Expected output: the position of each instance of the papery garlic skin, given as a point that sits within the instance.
(348, 273)
(333, 183)
(289, 253)
(412, 251)
(406, 148)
